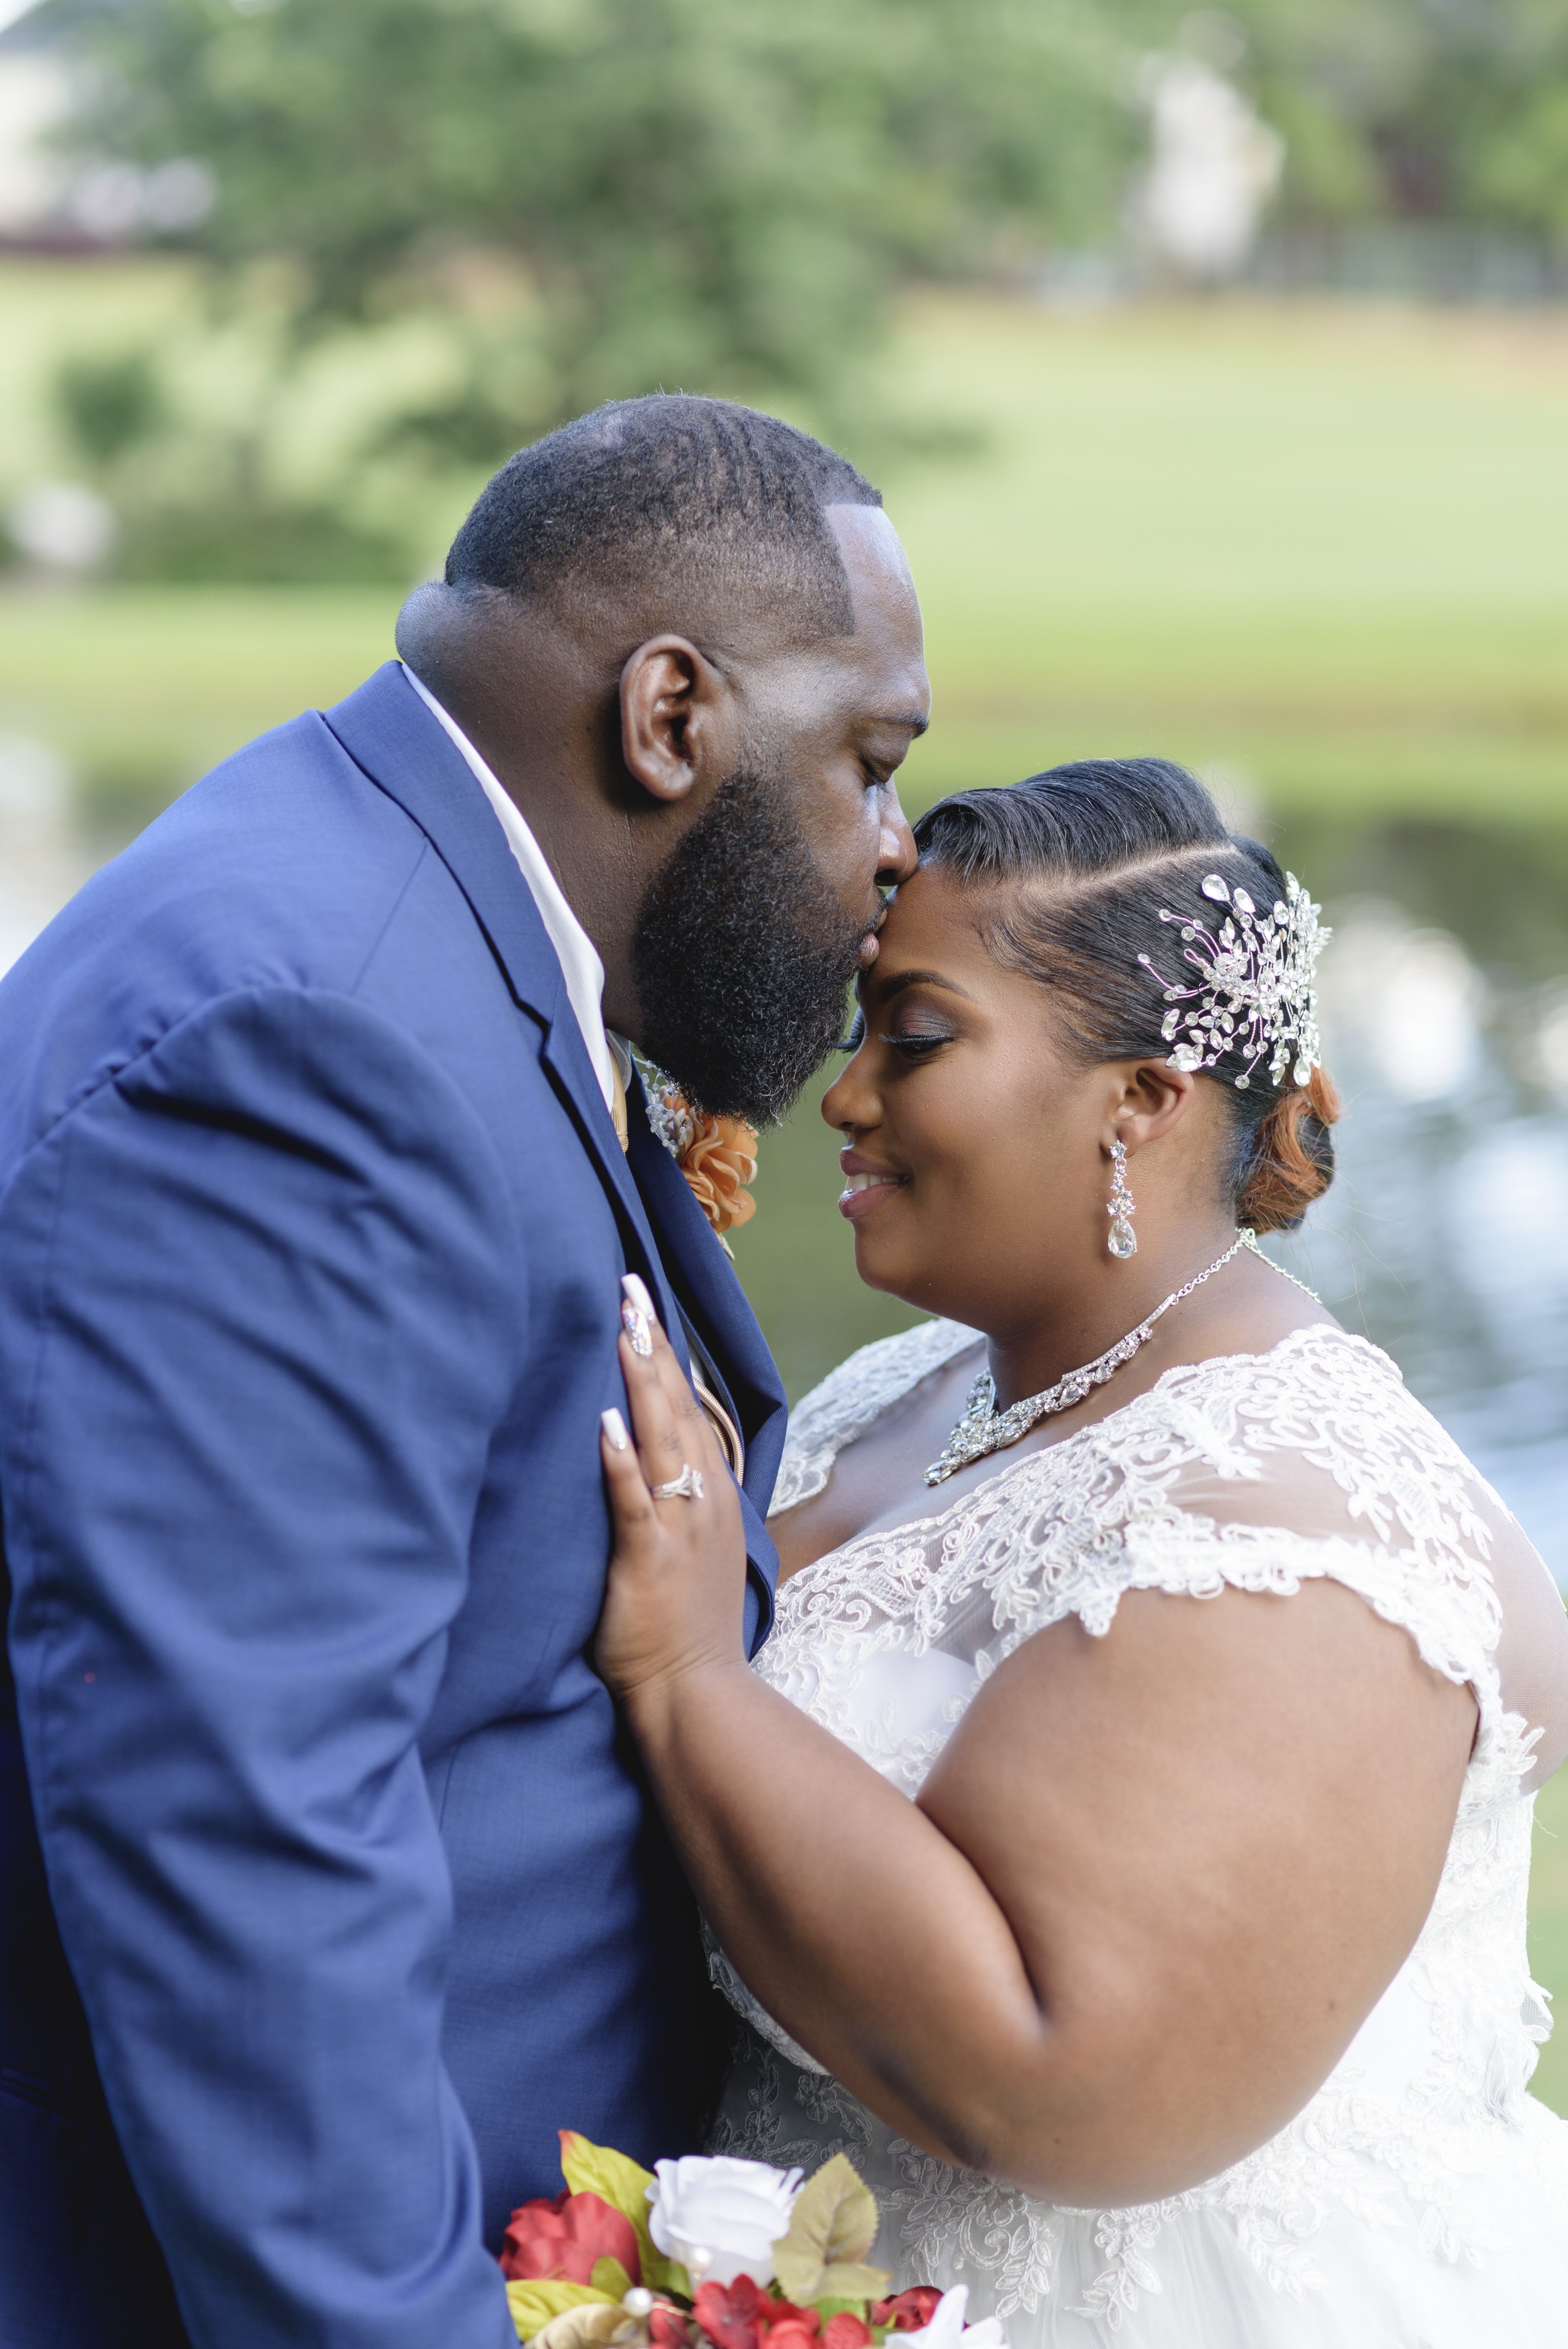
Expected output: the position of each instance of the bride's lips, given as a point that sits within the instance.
(866, 1184)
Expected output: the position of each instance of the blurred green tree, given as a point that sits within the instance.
(1449, 111)
(598, 197)
(108, 403)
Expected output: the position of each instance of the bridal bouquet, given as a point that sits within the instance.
(714, 2253)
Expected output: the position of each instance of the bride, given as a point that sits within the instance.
(1121, 1846)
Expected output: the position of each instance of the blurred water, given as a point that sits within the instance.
(42, 859)
(1445, 1238)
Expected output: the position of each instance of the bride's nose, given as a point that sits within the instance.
(850, 1103)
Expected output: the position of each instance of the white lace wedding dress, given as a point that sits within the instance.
(1420, 2201)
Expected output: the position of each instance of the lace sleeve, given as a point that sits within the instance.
(1262, 1475)
(851, 1398)
(1253, 1472)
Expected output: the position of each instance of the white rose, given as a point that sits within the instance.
(733, 2211)
(947, 2329)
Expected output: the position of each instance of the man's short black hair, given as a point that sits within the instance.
(693, 505)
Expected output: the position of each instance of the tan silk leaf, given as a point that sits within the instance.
(590, 2328)
(847, 2279)
(535, 2303)
(832, 2225)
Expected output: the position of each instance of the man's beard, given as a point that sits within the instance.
(741, 956)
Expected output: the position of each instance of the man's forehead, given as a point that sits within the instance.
(871, 549)
(887, 649)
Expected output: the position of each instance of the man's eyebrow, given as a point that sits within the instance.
(897, 981)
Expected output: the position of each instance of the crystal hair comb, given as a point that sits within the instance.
(1255, 992)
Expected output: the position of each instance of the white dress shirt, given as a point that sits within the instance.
(579, 957)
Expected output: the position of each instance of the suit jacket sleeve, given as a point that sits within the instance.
(250, 1358)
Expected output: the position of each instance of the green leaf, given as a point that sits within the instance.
(534, 2305)
(591, 2168)
(831, 2227)
(610, 2276)
(667, 2275)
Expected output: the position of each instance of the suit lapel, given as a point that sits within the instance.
(387, 732)
(712, 1296)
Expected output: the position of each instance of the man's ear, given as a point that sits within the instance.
(677, 718)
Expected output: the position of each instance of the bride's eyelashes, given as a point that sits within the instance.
(917, 1044)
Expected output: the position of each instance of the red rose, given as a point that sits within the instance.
(560, 2241)
(776, 2314)
(846, 2330)
(728, 2313)
(796, 2330)
(907, 2312)
(669, 2329)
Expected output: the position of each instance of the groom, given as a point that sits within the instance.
(328, 1891)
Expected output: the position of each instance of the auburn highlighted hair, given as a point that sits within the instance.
(1291, 1162)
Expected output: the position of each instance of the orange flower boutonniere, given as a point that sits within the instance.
(718, 1155)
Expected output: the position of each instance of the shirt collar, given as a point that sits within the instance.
(579, 957)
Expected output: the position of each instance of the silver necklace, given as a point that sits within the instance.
(983, 1429)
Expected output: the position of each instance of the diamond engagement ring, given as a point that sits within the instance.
(686, 1486)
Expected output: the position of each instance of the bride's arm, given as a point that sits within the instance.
(1147, 1895)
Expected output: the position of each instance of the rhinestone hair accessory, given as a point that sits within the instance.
(1255, 993)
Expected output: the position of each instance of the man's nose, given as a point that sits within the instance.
(898, 853)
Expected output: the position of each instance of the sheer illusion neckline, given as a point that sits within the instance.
(1063, 1444)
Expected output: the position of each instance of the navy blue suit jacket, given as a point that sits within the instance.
(328, 1888)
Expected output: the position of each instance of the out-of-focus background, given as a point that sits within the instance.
(1215, 367)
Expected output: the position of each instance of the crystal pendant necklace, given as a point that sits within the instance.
(983, 1429)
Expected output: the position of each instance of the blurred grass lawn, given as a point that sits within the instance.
(1549, 1931)
(1320, 552)
(1322, 549)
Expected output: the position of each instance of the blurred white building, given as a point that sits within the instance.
(34, 94)
(42, 201)
(1213, 166)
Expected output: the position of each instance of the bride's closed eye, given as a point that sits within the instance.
(916, 1044)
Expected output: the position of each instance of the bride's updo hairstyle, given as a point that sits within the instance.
(1080, 860)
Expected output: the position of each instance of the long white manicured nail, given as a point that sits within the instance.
(615, 1428)
(633, 1286)
(638, 1329)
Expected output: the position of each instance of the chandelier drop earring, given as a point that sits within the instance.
(1123, 1240)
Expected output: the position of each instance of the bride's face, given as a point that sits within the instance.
(974, 1145)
